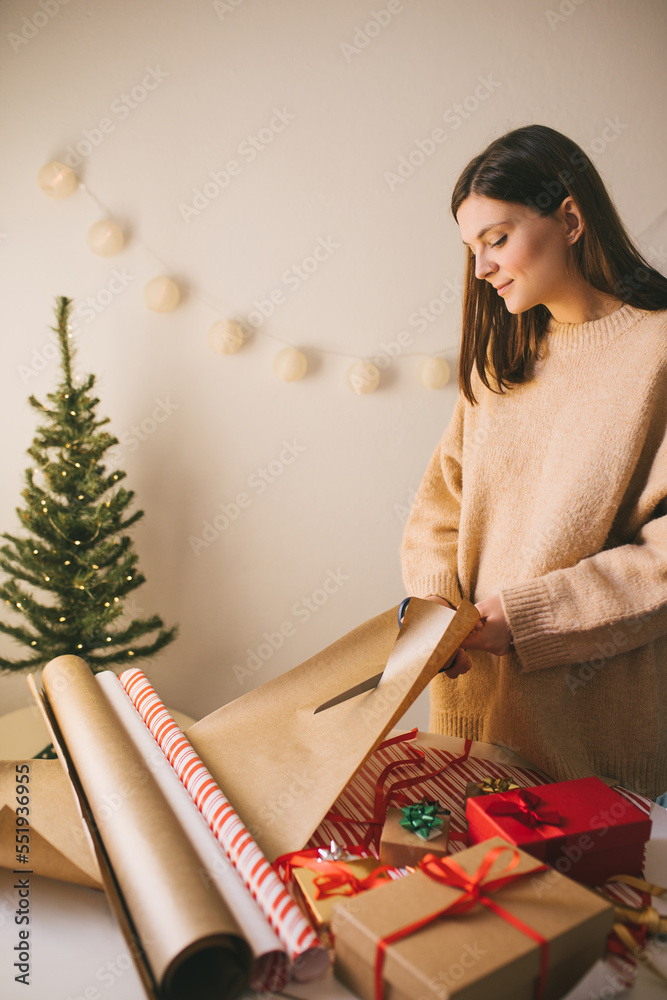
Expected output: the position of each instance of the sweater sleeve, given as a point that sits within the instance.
(609, 603)
(429, 549)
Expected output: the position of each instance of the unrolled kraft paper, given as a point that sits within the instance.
(280, 765)
(192, 944)
(59, 845)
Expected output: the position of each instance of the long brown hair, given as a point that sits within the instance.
(539, 167)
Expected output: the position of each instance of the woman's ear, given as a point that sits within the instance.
(570, 215)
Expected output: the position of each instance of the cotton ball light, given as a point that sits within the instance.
(434, 373)
(290, 365)
(363, 377)
(225, 337)
(57, 180)
(161, 294)
(105, 238)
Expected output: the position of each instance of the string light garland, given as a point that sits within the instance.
(105, 238)
(225, 336)
(56, 180)
(290, 365)
(363, 377)
(162, 294)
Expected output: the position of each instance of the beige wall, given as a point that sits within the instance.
(358, 85)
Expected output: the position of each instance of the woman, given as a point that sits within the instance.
(545, 501)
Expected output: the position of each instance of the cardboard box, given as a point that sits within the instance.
(476, 954)
(599, 832)
(400, 847)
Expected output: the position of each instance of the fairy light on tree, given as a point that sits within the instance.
(68, 575)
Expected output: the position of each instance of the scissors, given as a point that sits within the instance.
(371, 682)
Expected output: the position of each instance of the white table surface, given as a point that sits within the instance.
(78, 952)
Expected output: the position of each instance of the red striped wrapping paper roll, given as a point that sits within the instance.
(303, 946)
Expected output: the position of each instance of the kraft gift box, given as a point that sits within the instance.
(478, 954)
(400, 847)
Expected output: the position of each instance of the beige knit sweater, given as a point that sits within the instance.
(555, 496)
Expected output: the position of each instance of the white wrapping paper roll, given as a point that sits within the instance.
(310, 959)
(272, 968)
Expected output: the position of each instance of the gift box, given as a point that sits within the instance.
(344, 878)
(488, 786)
(401, 845)
(492, 923)
(583, 827)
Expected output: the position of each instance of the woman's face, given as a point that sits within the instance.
(520, 249)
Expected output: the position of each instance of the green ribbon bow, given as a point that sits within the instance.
(423, 817)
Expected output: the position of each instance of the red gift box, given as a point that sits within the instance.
(583, 828)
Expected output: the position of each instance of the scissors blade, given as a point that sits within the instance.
(352, 692)
(372, 682)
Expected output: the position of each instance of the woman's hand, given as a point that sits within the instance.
(460, 662)
(492, 632)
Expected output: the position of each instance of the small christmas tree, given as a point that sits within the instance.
(75, 558)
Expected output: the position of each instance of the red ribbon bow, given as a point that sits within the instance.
(333, 877)
(524, 806)
(393, 793)
(334, 883)
(475, 889)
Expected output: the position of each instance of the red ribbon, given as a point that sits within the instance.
(474, 890)
(333, 883)
(332, 876)
(382, 799)
(523, 806)
(310, 857)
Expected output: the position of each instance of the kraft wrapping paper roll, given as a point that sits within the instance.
(187, 938)
(271, 966)
(304, 948)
